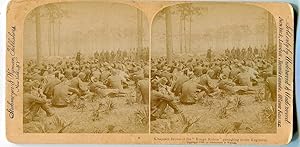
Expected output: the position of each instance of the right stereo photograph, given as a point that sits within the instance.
(214, 69)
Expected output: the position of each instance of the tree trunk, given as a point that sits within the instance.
(190, 35)
(271, 33)
(180, 33)
(169, 40)
(139, 33)
(38, 36)
(53, 38)
(58, 39)
(184, 34)
(49, 38)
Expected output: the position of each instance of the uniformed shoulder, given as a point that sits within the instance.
(28, 96)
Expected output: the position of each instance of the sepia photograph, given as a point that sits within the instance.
(149, 72)
(86, 69)
(213, 69)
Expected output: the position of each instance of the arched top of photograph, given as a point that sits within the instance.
(200, 27)
(60, 30)
(88, 62)
(214, 62)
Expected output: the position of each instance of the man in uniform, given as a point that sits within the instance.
(77, 83)
(208, 55)
(107, 56)
(124, 54)
(243, 78)
(243, 54)
(226, 85)
(192, 92)
(271, 87)
(105, 74)
(233, 53)
(78, 57)
(51, 82)
(206, 81)
(102, 56)
(250, 54)
(119, 55)
(238, 53)
(180, 80)
(112, 55)
(64, 94)
(160, 101)
(143, 89)
(227, 53)
(33, 101)
(115, 81)
(255, 51)
(96, 55)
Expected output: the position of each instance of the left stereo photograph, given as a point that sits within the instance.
(85, 70)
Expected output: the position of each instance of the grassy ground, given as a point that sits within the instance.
(223, 114)
(103, 115)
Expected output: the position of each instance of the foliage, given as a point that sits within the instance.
(237, 126)
(223, 130)
(142, 115)
(208, 103)
(103, 108)
(96, 113)
(129, 101)
(110, 105)
(259, 96)
(79, 104)
(223, 112)
(269, 114)
(188, 9)
(237, 103)
(51, 11)
(187, 122)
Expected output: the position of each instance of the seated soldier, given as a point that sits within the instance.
(267, 70)
(33, 101)
(51, 82)
(177, 86)
(208, 83)
(138, 74)
(77, 83)
(160, 101)
(163, 86)
(143, 89)
(64, 94)
(115, 81)
(105, 74)
(243, 78)
(192, 92)
(97, 88)
(235, 70)
(227, 85)
(271, 87)
(253, 74)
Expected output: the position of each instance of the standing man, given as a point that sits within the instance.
(208, 56)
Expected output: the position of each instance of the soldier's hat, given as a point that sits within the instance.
(223, 76)
(29, 85)
(154, 84)
(163, 80)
